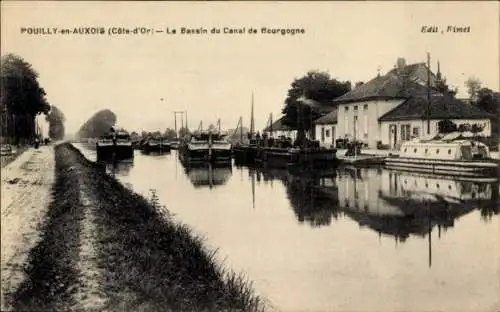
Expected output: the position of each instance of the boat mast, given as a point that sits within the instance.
(240, 123)
(200, 127)
(175, 124)
(218, 124)
(186, 127)
(428, 113)
(271, 123)
(252, 126)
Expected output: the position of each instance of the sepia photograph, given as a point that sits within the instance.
(294, 156)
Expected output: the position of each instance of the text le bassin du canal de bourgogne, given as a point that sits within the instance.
(143, 30)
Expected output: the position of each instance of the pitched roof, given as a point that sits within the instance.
(328, 119)
(441, 107)
(278, 126)
(397, 83)
(414, 72)
(384, 87)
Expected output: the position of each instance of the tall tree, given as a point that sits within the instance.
(490, 102)
(56, 121)
(22, 98)
(473, 86)
(316, 86)
(98, 124)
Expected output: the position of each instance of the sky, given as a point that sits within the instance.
(145, 78)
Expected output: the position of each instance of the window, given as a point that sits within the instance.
(327, 133)
(355, 107)
(322, 134)
(416, 132)
(346, 108)
(405, 149)
(365, 107)
(346, 125)
(437, 150)
(415, 150)
(426, 150)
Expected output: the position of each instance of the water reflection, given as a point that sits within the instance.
(119, 167)
(208, 175)
(387, 202)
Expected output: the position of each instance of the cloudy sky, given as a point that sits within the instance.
(213, 76)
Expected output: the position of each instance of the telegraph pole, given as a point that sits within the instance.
(175, 121)
(428, 93)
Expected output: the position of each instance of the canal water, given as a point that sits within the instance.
(348, 240)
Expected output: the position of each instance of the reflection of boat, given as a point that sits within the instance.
(400, 204)
(206, 146)
(207, 175)
(446, 156)
(119, 167)
(114, 145)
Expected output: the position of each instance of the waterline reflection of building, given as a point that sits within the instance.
(207, 175)
(387, 202)
(404, 204)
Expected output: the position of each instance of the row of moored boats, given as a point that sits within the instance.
(450, 155)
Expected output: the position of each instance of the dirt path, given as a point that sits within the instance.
(25, 196)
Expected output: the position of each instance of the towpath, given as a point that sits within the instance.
(26, 185)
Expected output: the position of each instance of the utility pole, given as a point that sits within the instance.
(428, 113)
(175, 121)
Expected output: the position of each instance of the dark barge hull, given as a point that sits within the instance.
(205, 156)
(162, 148)
(277, 157)
(114, 152)
(245, 154)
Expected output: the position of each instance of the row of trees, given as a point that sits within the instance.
(21, 100)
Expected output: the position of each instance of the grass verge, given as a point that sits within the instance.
(51, 277)
(150, 262)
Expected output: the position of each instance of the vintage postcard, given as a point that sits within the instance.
(250, 156)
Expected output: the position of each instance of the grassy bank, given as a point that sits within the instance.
(148, 261)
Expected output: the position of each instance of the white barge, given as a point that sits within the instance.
(457, 157)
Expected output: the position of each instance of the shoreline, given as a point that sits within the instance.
(140, 259)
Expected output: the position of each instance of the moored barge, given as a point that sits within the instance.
(450, 158)
(206, 146)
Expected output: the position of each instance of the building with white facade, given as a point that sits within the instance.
(391, 109)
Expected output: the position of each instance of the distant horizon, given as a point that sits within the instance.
(213, 76)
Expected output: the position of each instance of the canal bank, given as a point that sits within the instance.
(103, 247)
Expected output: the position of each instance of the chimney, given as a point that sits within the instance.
(401, 63)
